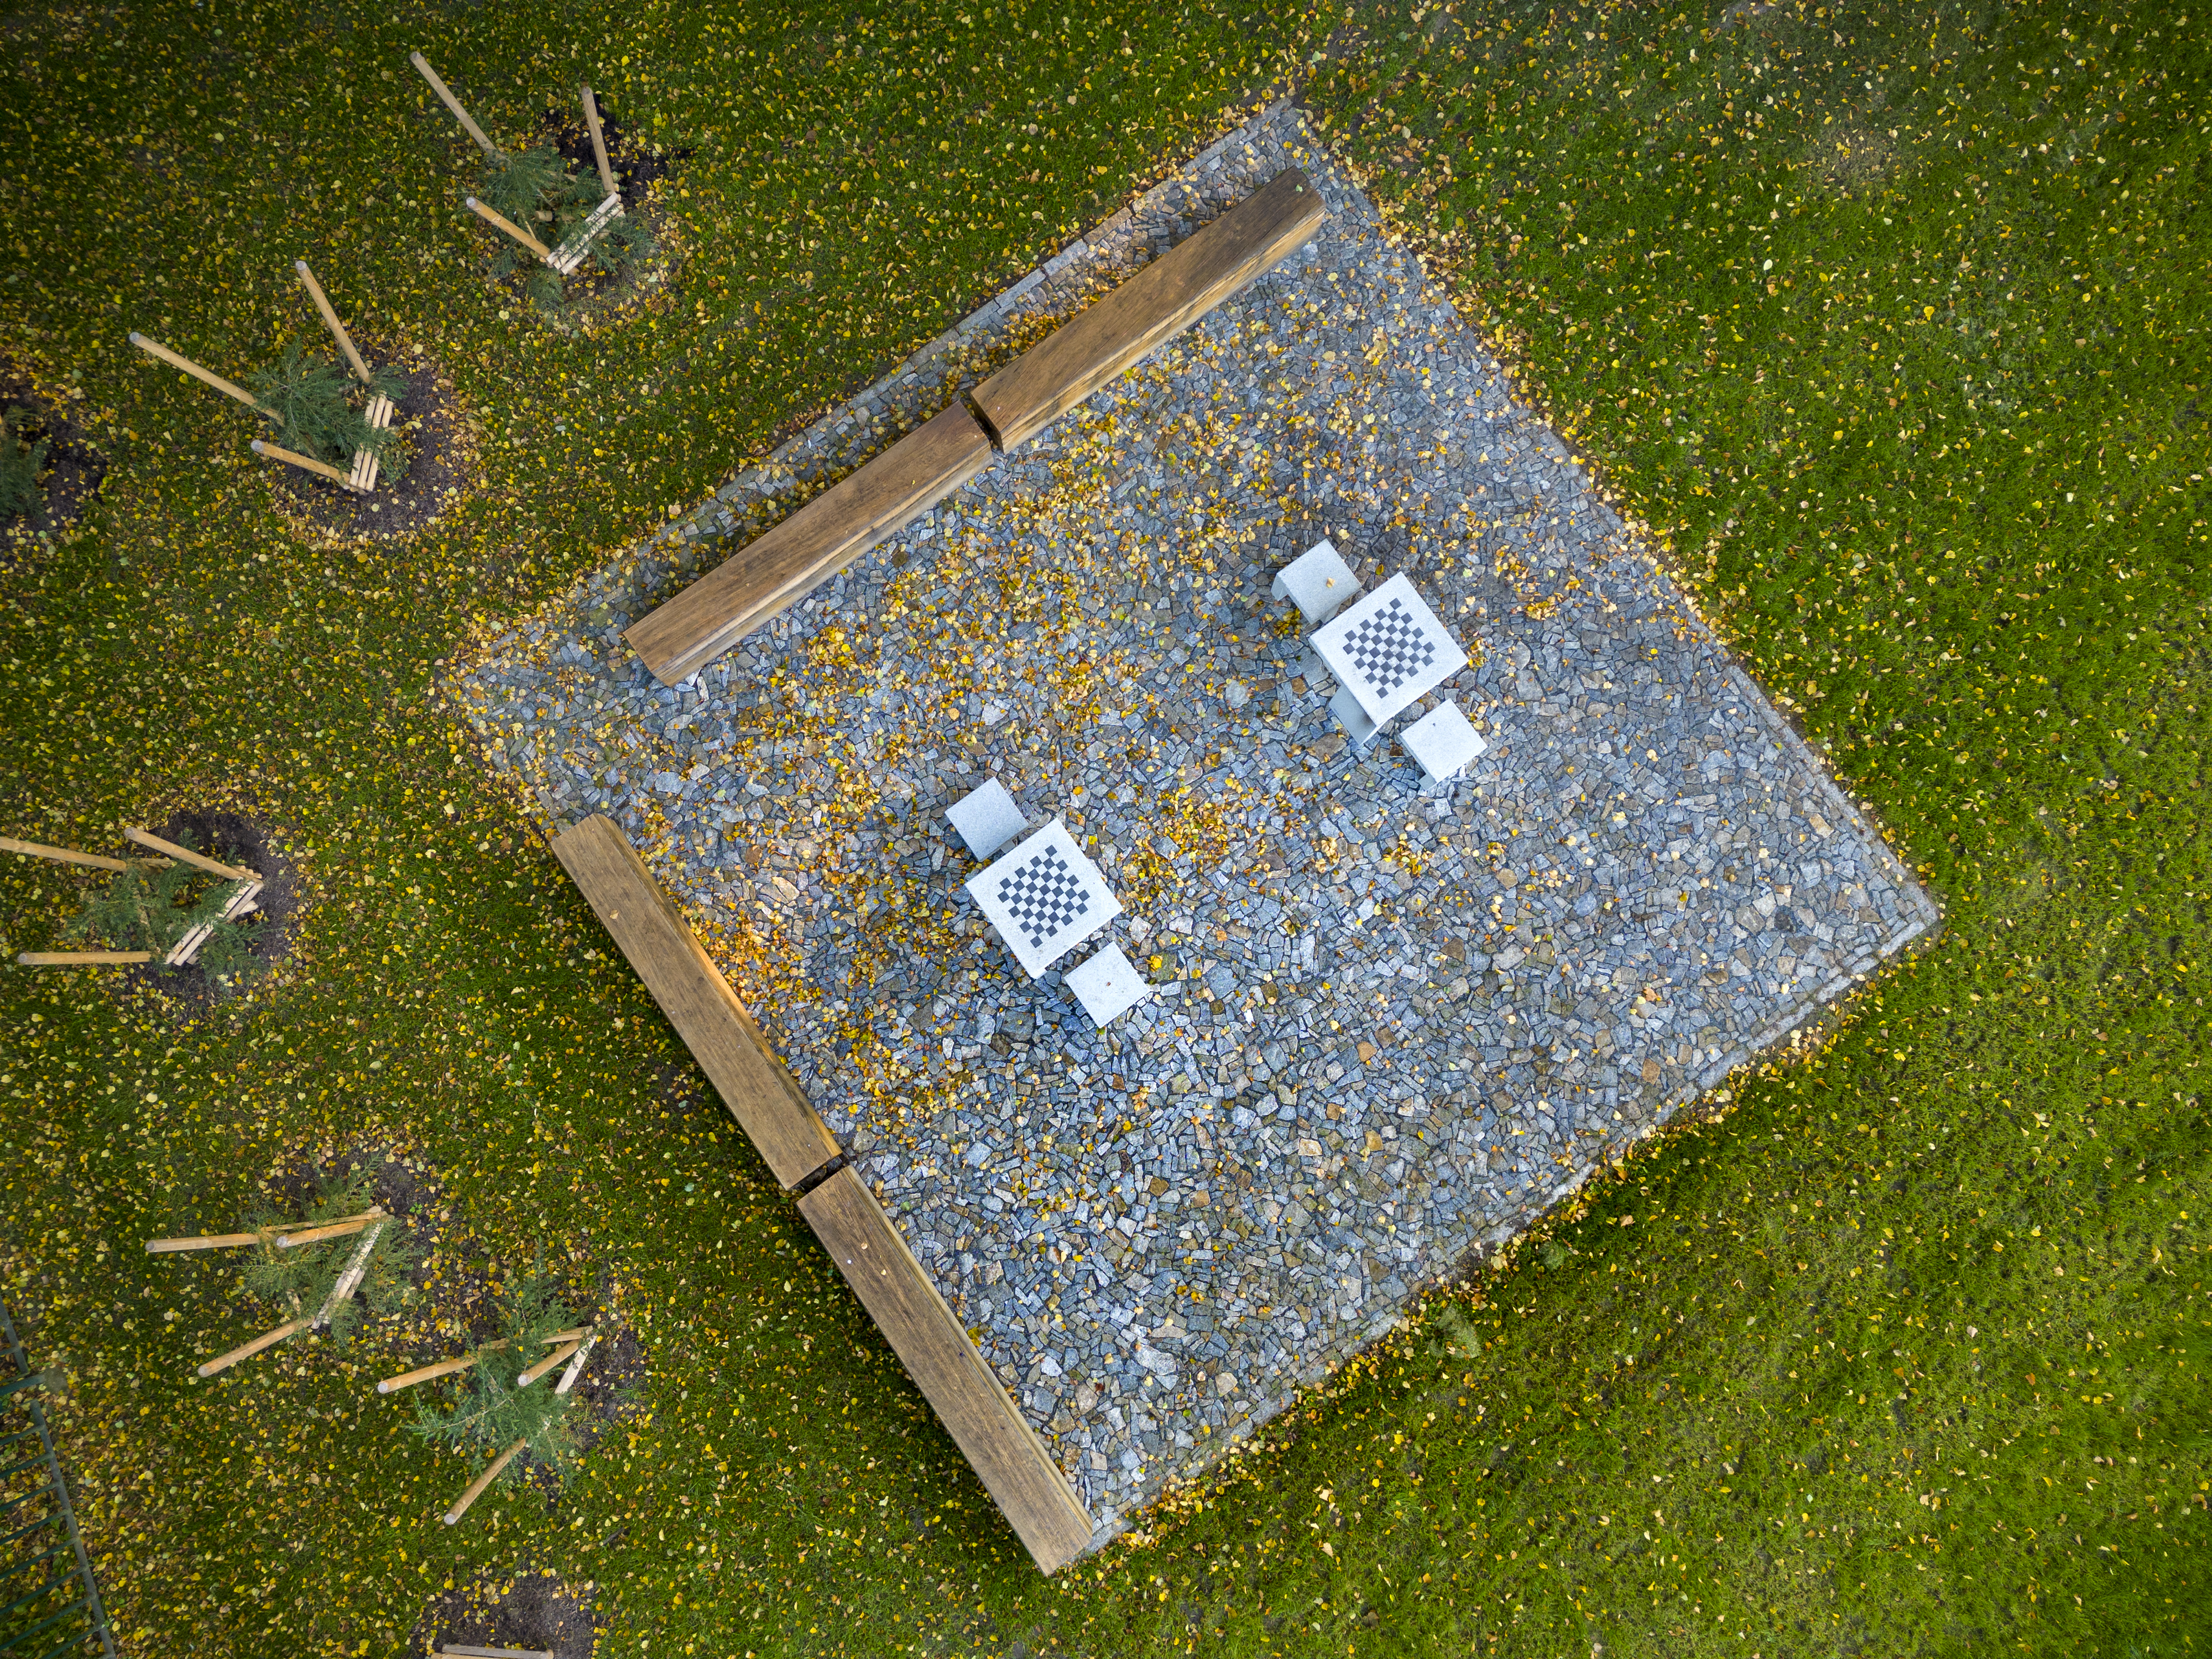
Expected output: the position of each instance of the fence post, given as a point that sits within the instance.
(95, 1615)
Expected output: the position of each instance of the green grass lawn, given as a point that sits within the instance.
(1890, 324)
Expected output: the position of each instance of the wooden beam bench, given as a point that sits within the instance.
(1007, 1454)
(788, 560)
(1153, 306)
(652, 932)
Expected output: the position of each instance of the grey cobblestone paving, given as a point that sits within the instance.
(1396, 1021)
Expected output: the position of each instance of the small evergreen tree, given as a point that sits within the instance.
(152, 910)
(491, 1409)
(311, 400)
(20, 461)
(302, 1278)
(534, 189)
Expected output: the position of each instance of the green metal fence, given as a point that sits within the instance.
(52, 1607)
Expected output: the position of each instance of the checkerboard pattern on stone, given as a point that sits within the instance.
(1390, 649)
(1392, 1021)
(1044, 897)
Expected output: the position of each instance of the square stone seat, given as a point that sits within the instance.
(1108, 984)
(987, 818)
(1390, 650)
(1045, 898)
(1318, 581)
(1443, 743)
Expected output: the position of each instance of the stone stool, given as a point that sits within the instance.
(1108, 984)
(987, 818)
(1318, 582)
(1443, 742)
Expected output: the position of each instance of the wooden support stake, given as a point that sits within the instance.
(203, 1241)
(266, 1339)
(507, 225)
(598, 139)
(453, 103)
(79, 958)
(557, 1357)
(477, 1486)
(447, 1367)
(497, 1653)
(228, 388)
(61, 854)
(352, 1223)
(350, 1280)
(330, 320)
(241, 901)
(186, 855)
(307, 463)
(576, 1365)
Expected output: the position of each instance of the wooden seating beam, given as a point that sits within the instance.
(787, 561)
(998, 1442)
(652, 932)
(1153, 306)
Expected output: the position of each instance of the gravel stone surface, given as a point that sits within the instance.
(1395, 1021)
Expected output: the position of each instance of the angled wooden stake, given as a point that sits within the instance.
(186, 855)
(559, 1356)
(330, 320)
(576, 1365)
(202, 1241)
(63, 854)
(246, 1351)
(507, 225)
(306, 463)
(453, 103)
(350, 1280)
(228, 388)
(352, 1223)
(598, 139)
(477, 1486)
(447, 1367)
(79, 958)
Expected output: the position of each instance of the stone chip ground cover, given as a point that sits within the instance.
(1400, 1022)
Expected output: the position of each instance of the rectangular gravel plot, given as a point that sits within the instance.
(1391, 1027)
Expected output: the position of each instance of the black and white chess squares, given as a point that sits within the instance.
(1390, 650)
(1044, 897)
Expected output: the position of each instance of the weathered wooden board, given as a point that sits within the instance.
(362, 478)
(645, 922)
(815, 543)
(1005, 1453)
(1155, 305)
(566, 257)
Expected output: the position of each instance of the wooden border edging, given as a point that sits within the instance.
(667, 956)
(812, 544)
(1158, 303)
(998, 1442)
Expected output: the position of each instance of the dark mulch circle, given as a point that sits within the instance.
(441, 469)
(69, 478)
(230, 838)
(530, 1609)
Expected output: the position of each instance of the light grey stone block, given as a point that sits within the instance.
(1044, 897)
(1317, 581)
(1390, 650)
(1443, 743)
(1108, 984)
(1352, 717)
(987, 818)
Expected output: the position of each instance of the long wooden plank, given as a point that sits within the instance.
(999, 1444)
(668, 956)
(821, 538)
(1155, 305)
